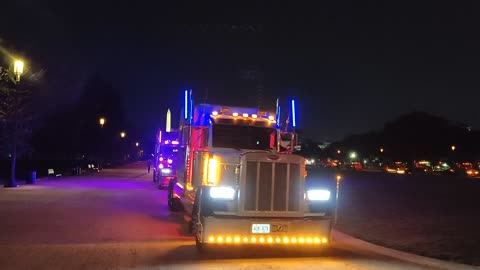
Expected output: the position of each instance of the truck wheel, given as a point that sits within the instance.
(174, 204)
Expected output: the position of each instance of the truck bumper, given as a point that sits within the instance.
(220, 230)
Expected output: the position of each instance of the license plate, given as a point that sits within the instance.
(261, 228)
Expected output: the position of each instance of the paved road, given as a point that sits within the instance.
(117, 220)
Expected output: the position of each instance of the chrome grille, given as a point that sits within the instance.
(272, 186)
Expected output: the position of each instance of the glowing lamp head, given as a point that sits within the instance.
(18, 67)
(123, 134)
(102, 121)
(137, 144)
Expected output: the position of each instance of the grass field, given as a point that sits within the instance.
(433, 216)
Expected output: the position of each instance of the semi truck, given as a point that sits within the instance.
(165, 157)
(240, 183)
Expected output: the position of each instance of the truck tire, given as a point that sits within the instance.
(174, 204)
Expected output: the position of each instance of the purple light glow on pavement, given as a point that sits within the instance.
(115, 205)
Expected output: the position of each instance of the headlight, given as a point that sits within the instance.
(318, 195)
(224, 193)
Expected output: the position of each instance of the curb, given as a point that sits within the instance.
(400, 255)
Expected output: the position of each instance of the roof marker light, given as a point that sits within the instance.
(271, 118)
(214, 113)
(254, 116)
(245, 115)
(235, 114)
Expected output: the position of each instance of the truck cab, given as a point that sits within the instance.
(237, 187)
(165, 158)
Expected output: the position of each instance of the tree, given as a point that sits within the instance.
(15, 118)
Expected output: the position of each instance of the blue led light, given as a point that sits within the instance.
(191, 107)
(186, 105)
(278, 116)
(277, 113)
(294, 122)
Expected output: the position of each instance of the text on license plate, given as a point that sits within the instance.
(260, 228)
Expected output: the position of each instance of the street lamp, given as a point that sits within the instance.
(18, 69)
(123, 134)
(454, 147)
(137, 144)
(102, 121)
(353, 155)
(381, 150)
(338, 151)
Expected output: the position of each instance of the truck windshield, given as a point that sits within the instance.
(168, 150)
(242, 137)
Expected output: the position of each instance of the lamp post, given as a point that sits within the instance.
(18, 66)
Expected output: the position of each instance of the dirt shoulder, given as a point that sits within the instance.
(431, 216)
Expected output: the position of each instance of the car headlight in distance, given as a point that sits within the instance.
(224, 193)
(318, 195)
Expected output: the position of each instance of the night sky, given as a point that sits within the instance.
(351, 66)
